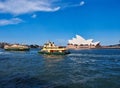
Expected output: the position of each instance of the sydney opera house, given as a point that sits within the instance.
(80, 43)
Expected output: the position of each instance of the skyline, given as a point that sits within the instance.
(38, 21)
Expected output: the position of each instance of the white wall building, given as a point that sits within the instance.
(80, 42)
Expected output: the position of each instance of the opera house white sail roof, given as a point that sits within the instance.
(81, 41)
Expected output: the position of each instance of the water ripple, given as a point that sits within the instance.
(80, 69)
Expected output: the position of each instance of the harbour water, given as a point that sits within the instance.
(98, 68)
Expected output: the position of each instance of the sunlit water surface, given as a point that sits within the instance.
(80, 69)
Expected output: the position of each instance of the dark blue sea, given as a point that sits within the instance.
(98, 68)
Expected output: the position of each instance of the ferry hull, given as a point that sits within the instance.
(16, 49)
(53, 53)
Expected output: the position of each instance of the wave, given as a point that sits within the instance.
(4, 53)
(92, 55)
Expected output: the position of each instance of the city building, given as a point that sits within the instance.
(80, 43)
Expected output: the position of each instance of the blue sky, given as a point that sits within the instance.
(37, 21)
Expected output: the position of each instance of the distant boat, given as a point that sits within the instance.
(51, 49)
(16, 47)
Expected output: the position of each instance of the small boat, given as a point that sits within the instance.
(16, 47)
(51, 49)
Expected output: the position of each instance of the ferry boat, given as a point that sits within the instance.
(51, 49)
(16, 47)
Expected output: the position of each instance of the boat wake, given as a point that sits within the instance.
(92, 55)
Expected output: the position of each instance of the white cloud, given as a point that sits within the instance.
(70, 5)
(82, 3)
(18, 7)
(27, 6)
(34, 16)
(4, 22)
